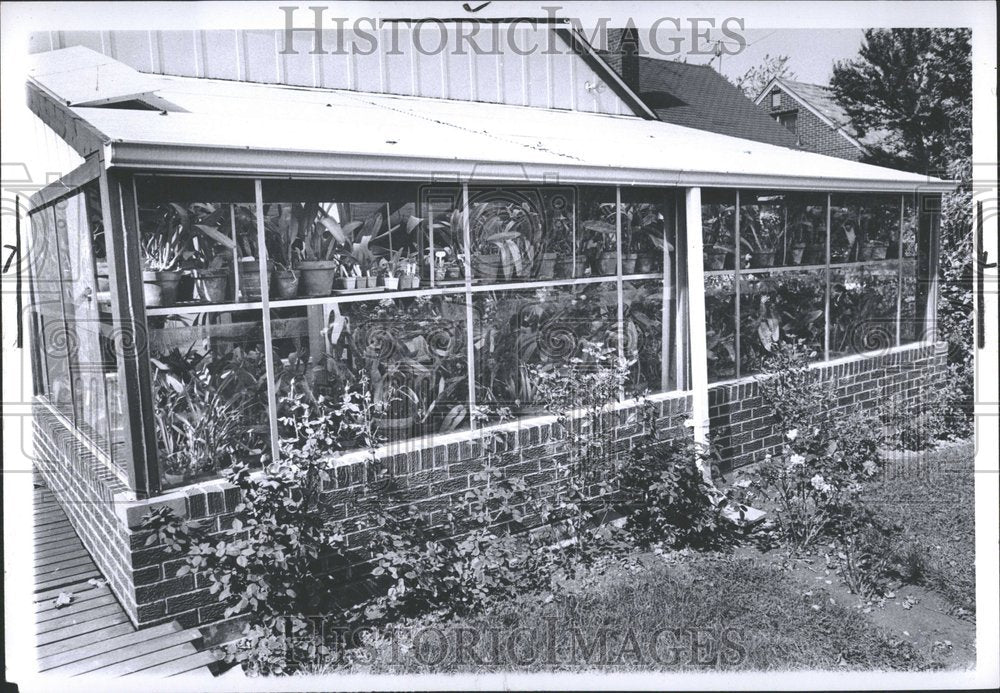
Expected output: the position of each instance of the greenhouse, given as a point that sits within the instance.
(230, 249)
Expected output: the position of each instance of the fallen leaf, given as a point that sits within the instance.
(97, 582)
(64, 599)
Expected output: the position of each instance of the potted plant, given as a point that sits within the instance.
(345, 279)
(762, 229)
(160, 278)
(505, 235)
(319, 265)
(841, 244)
(600, 246)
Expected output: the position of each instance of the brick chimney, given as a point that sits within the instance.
(623, 55)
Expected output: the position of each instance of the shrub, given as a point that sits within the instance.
(665, 495)
(826, 455)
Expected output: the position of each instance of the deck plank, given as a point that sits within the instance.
(93, 634)
(85, 639)
(84, 628)
(75, 607)
(120, 656)
(77, 617)
(145, 661)
(99, 647)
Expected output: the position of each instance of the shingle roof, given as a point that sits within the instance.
(696, 96)
(822, 99)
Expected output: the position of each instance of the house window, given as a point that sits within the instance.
(788, 120)
(775, 99)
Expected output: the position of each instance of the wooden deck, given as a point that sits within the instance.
(92, 633)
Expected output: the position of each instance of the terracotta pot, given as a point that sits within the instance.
(715, 258)
(607, 264)
(762, 258)
(317, 277)
(286, 283)
(875, 250)
(250, 280)
(160, 288)
(628, 263)
(390, 283)
(453, 272)
(646, 264)
(211, 285)
(796, 253)
(173, 480)
(580, 266)
(547, 266)
(485, 266)
(564, 266)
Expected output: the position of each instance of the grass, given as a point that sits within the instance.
(705, 613)
(930, 495)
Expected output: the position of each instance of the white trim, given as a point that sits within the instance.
(839, 129)
(696, 318)
(238, 161)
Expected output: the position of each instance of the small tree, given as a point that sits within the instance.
(753, 81)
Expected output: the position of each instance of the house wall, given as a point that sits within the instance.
(145, 577)
(814, 134)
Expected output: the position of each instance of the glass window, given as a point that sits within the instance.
(720, 327)
(209, 387)
(862, 309)
(780, 306)
(865, 228)
(718, 215)
(521, 333)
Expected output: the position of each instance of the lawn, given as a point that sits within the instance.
(930, 494)
(703, 612)
(691, 611)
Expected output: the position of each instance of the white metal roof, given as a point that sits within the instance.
(235, 127)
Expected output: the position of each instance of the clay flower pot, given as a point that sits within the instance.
(715, 258)
(286, 283)
(874, 250)
(345, 283)
(629, 261)
(796, 253)
(547, 266)
(607, 264)
(250, 289)
(211, 285)
(485, 266)
(160, 288)
(646, 264)
(762, 258)
(317, 276)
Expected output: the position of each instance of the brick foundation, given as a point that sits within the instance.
(744, 428)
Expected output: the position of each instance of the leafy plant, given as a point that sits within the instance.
(762, 225)
(511, 229)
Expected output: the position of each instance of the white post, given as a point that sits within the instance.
(696, 317)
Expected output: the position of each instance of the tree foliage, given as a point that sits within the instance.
(753, 81)
(916, 85)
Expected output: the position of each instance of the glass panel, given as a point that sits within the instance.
(411, 351)
(79, 225)
(865, 227)
(718, 230)
(596, 233)
(55, 344)
(780, 306)
(762, 229)
(805, 239)
(862, 309)
(190, 250)
(909, 230)
(720, 327)
(209, 392)
(519, 333)
(911, 316)
(521, 234)
(442, 210)
(647, 228)
(644, 344)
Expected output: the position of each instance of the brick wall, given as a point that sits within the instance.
(814, 134)
(743, 425)
(432, 477)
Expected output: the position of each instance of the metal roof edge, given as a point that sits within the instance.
(235, 161)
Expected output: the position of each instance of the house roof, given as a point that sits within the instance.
(823, 103)
(696, 96)
(224, 127)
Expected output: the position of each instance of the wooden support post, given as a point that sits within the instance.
(696, 319)
(619, 284)
(470, 347)
(128, 311)
(265, 291)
